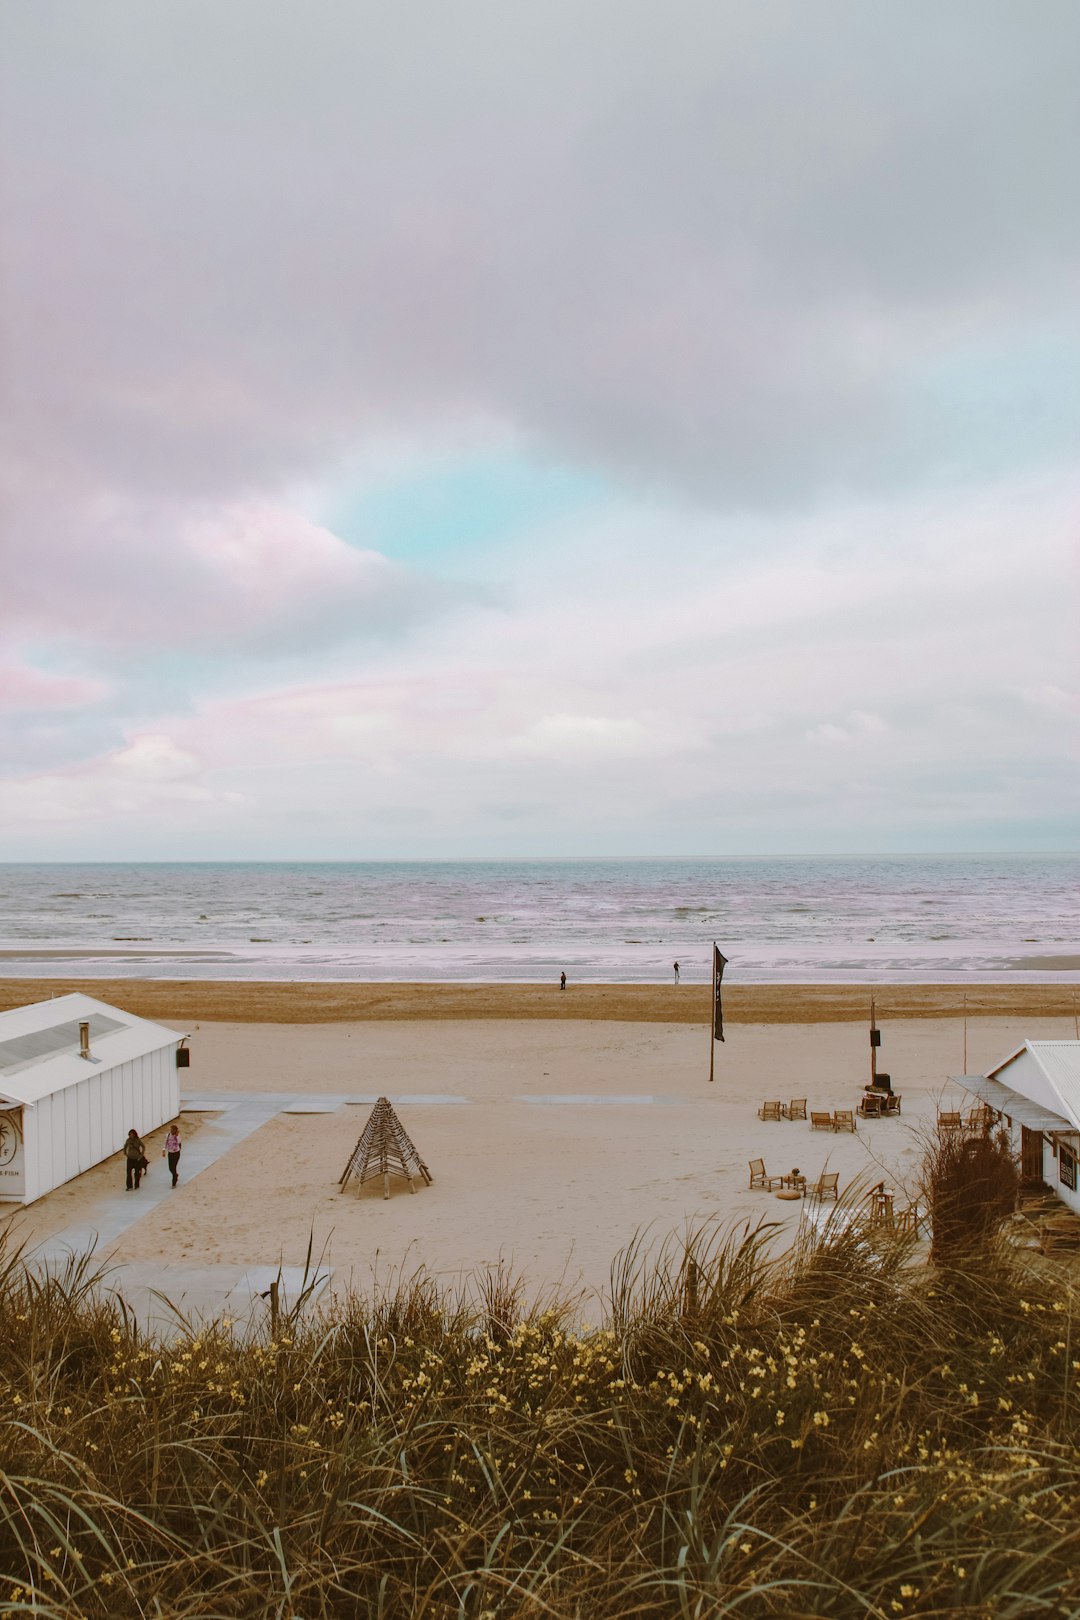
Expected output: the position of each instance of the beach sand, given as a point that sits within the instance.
(551, 1141)
(320, 1002)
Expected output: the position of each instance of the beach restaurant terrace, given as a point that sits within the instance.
(1036, 1089)
(75, 1076)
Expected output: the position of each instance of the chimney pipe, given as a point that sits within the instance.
(84, 1039)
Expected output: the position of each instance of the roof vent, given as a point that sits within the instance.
(84, 1038)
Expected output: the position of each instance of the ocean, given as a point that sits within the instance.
(882, 919)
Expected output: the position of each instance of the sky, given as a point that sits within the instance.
(491, 428)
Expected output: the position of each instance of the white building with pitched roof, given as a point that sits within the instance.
(75, 1076)
(1037, 1090)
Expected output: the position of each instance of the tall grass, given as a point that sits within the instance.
(843, 1433)
(971, 1184)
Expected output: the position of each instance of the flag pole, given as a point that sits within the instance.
(873, 1045)
(712, 1018)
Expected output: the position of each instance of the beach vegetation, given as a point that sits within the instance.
(847, 1431)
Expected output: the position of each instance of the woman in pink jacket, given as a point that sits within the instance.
(171, 1150)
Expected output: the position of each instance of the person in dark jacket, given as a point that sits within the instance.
(134, 1158)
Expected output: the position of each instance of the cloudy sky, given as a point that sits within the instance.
(465, 428)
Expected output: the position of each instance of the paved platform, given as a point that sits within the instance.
(587, 1099)
(306, 1102)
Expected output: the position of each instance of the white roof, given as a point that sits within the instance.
(1047, 1072)
(39, 1044)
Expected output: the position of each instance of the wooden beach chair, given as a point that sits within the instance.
(820, 1121)
(892, 1105)
(771, 1110)
(796, 1108)
(978, 1119)
(827, 1185)
(871, 1107)
(949, 1119)
(759, 1176)
(843, 1120)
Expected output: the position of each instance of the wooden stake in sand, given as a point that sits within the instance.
(385, 1149)
(875, 1042)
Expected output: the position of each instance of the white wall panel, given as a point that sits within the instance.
(83, 1156)
(116, 1109)
(173, 1083)
(42, 1128)
(43, 1131)
(94, 1092)
(70, 1161)
(131, 1104)
(43, 1118)
(152, 1064)
(58, 1141)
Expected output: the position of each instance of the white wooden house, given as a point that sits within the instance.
(1036, 1089)
(75, 1076)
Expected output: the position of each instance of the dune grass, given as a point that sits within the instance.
(846, 1432)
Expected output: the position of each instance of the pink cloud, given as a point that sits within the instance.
(22, 687)
(250, 576)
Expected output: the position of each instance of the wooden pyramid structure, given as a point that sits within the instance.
(385, 1149)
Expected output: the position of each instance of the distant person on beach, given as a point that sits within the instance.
(562, 981)
(676, 973)
(171, 1150)
(134, 1158)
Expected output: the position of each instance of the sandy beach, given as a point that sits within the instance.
(552, 1141)
(335, 1001)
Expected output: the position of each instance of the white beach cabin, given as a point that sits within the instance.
(75, 1076)
(1037, 1090)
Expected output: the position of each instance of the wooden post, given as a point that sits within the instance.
(873, 1048)
(690, 1287)
(274, 1287)
(965, 1032)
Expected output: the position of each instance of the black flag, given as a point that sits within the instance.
(718, 966)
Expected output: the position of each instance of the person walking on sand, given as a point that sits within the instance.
(134, 1158)
(171, 1150)
(562, 981)
(676, 972)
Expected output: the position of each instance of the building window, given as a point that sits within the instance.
(1067, 1167)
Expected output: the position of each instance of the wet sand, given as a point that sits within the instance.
(310, 1002)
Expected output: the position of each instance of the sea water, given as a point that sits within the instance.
(896, 918)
